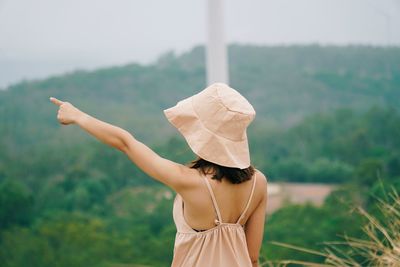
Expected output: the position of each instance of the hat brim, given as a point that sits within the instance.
(203, 142)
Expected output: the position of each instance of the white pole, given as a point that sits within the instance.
(217, 62)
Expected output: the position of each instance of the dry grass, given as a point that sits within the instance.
(381, 247)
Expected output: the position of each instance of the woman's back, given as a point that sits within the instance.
(210, 217)
(231, 199)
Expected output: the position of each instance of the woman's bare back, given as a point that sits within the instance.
(231, 198)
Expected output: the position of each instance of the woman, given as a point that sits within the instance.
(220, 206)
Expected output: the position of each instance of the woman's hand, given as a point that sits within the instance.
(67, 113)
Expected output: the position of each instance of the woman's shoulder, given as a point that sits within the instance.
(261, 176)
(262, 181)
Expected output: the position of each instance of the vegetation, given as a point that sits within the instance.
(324, 114)
(379, 247)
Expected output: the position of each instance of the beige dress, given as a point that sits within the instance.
(221, 246)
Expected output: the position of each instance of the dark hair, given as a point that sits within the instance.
(234, 175)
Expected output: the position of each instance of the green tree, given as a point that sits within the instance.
(16, 204)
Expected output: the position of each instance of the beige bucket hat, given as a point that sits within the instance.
(214, 123)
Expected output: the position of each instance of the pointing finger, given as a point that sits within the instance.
(56, 101)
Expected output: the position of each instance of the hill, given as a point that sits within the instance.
(324, 114)
(283, 83)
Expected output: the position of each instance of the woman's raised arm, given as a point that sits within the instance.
(168, 172)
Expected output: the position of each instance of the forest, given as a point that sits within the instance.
(324, 115)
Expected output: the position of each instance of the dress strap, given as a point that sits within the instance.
(249, 200)
(219, 220)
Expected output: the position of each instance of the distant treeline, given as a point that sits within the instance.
(324, 114)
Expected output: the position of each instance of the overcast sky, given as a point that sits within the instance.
(39, 38)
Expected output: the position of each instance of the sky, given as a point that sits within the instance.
(41, 38)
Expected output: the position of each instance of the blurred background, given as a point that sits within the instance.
(323, 76)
